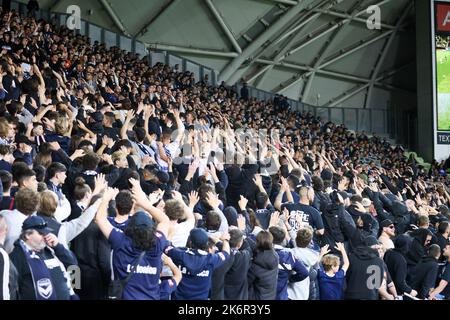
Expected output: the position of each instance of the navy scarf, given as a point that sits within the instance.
(43, 287)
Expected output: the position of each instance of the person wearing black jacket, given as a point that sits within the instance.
(365, 267)
(240, 182)
(423, 276)
(93, 253)
(397, 265)
(229, 281)
(263, 272)
(418, 249)
(442, 237)
(41, 262)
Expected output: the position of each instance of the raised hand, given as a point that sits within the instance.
(213, 200)
(242, 202)
(193, 199)
(138, 194)
(274, 218)
(110, 193)
(100, 184)
(241, 222)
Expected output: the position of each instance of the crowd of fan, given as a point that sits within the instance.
(112, 169)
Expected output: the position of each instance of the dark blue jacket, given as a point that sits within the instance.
(289, 270)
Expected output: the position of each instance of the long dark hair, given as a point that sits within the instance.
(142, 238)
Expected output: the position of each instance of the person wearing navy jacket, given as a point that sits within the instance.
(289, 269)
(197, 264)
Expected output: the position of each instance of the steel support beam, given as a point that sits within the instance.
(142, 30)
(228, 73)
(347, 16)
(285, 46)
(53, 5)
(324, 30)
(203, 52)
(223, 25)
(384, 52)
(358, 88)
(351, 49)
(331, 40)
(115, 18)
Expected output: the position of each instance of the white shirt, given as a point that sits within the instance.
(14, 220)
(300, 290)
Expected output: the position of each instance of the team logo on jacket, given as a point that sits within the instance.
(45, 288)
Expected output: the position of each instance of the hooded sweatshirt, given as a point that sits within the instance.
(423, 276)
(364, 275)
(263, 276)
(397, 265)
(197, 267)
(417, 249)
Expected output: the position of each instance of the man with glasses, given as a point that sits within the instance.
(41, 262)
(387, 233)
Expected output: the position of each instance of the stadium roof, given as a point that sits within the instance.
(318, 51)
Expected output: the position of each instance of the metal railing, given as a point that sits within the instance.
(377, 121)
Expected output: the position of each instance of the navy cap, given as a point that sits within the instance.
(199, 237)
(37, 223)
(97, 116)
(163, 177)
(386, 223)
(141, 219)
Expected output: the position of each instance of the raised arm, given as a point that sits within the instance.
(102, 215)
(142, 201)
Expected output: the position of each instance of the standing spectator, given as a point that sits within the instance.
(93, 253)
(421, 241)
(7, 202)
(263, 273)
(306, 213)
(244, 91)
(141, 235)
(41, 262)
(398, 267)
(235, 282)
(444, 278)
(366, 267)
(27, 202)
(8, 272)
(387, 233)
(197, 264)
(443, 237)
(292, 270)
(310, 258)
(332, 276)
(423, 276)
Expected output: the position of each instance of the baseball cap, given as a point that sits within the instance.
(141, 219)
(97, 116)
(386, 223)
(199, 237)
(37, 223)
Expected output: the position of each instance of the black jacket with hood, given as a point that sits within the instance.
(263, 276)
(423, 276)
(417, 249)
(397, 265)
(365, 267)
